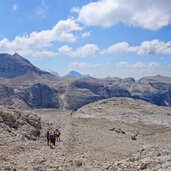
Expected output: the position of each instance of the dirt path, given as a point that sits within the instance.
(74, 152)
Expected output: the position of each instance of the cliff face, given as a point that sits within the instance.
(39, 96)
(35, 96)
(162, 85)
(6, 95)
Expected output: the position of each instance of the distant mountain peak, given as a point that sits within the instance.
(16, 54)
(75, 74)
(12, 66)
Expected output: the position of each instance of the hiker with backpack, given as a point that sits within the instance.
(58, 133)
(51, 138)
(54, 137)
(48, 137)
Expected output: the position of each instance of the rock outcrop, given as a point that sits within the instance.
(39, 96)
(20, 124)
(34, 96)
(6, 94)
(162, 85)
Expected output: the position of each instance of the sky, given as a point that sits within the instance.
(117, 38)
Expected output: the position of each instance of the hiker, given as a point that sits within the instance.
(58, 135)
(54, 137)
(51, 137)
(48, 137)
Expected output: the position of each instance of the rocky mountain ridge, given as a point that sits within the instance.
(25, 86)
(12, 66)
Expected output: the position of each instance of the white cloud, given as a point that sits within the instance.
(139, 69)
(75, 9)
(40, 10)
(98, 65)
(126, 65)
(65, 50)
(84, 51)
(87, 50)
(121, 47)
(15, 7)
(139, 65)
(36, 44)
(85, 34)
(146, 14)
(155, 47)
(79, 65)
(153, 65)
(85, 65)
(122, 64)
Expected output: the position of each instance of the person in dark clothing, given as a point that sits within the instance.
(51, 137)
(48, 137)
(54, 138)
(58, 135)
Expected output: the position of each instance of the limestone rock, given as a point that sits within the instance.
(16, 122)
(39, 96)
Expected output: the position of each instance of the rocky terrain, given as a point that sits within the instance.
(18, 125)
(118, 134)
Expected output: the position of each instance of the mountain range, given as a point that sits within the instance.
(22, 85)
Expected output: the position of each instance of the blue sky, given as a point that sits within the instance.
(101, 38)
